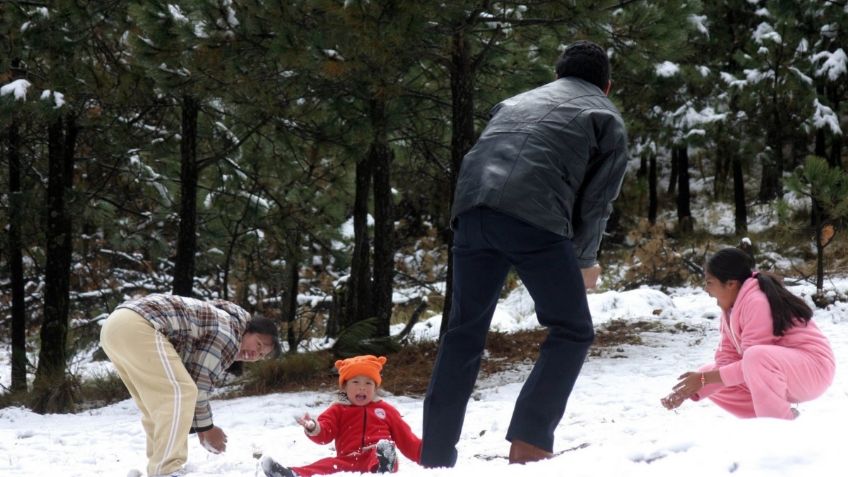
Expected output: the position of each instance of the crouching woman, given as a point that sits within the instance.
(770, 355)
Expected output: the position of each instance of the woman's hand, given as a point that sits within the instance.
(672, 401)
(689, 383)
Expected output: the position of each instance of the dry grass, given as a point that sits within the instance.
(299, 372)
(407, 372)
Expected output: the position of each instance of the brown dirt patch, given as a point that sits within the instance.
(408, 371)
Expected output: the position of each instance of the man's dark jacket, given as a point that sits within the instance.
(554, 157)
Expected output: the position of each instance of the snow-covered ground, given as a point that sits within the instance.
(614, 422)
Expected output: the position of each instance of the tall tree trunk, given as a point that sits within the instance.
(231, 251)
(835, 156)
(771, 182)
(684, 211)
(52, 357)
(643, 166)
(673, 179)
(721, 167)
(16, 265)
(187, 235)
(741, 206)
(819, 225)
(290, 294)
(817, 212)
(821, 147)
(462, 138)
(384, 225)
(358, 294)
(653, 202)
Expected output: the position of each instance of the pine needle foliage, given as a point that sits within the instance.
(359, 338)
(827, 187)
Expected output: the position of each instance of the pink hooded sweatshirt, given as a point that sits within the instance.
(750, 325)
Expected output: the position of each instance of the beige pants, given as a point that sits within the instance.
(159, 384)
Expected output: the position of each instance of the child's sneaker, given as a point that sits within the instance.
(273, 469)
(386, 456)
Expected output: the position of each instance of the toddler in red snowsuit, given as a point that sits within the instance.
(364, 428)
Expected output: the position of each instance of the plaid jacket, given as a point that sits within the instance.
(206, 334)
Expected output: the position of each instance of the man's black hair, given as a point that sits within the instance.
(262, 326)
(585, 60)
(266, 326)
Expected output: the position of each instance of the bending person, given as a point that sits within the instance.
(534, 193)
(169, 351)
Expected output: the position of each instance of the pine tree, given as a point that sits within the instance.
(776, 90)
(363, 52)
(11, 135)
(655, 79)
(52, 44)
(169, 46)
(828, 187)
(829, 22)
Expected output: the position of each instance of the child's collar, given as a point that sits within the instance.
(342, 399)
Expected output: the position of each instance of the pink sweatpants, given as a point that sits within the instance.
(775, 377)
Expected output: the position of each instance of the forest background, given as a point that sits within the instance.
(299, 157)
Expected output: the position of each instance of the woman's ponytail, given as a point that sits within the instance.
(787, 309)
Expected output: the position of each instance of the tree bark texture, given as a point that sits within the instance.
(187, 236)
(384, 224)
(358, 294)
(672, 180)
(52, 357)
(16, 265)
(290, 302)
(653, 199)
(819, 225)
(741, 205)
(771, 181)
(684, 211)
(462, 139)
(835, 156)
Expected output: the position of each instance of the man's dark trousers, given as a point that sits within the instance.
(486, 244)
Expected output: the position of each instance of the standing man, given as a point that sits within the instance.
(169, 351)
(533, 193)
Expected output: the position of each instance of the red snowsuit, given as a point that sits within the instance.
(356, 429)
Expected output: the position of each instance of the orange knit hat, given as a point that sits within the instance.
(366, 365)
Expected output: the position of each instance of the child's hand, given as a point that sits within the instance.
(307, 422)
